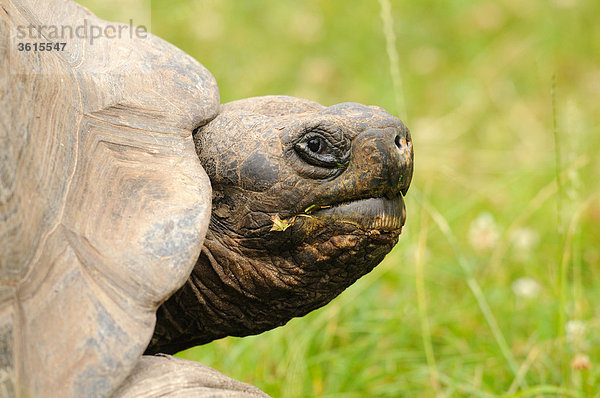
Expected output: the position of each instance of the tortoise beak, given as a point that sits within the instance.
(381, 214)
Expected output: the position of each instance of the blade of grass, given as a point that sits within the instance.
(567, 251)
(392, 52)
(557, 158)
(545, 389)
(422, 303)
(562, 277)
(534, 204)
(531, 356)
(464, 387)
(484, 307)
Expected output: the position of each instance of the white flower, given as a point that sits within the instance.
(526, 287)
(524, 239)
(483, 233)
(575, 330)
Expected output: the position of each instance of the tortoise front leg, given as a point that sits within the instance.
(168, 376)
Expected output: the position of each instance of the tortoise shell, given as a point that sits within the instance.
(103, 201)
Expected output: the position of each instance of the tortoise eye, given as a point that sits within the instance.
(314, 145)
(316, 150)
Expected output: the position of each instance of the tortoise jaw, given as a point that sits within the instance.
(375, 213)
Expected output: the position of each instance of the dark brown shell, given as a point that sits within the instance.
(103, 202)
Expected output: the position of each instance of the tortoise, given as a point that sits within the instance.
(140, 216)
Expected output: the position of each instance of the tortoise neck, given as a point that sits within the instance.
(219, 299)
(243, 286)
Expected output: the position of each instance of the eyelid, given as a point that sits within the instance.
(324, 158)
(312, 135)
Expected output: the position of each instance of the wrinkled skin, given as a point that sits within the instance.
(336, 177)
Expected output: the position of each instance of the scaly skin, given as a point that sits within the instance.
(335, 176)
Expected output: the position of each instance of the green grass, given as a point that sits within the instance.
(474, 82)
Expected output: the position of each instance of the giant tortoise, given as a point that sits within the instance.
(138, 216)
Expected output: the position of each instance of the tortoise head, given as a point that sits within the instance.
(306, 199)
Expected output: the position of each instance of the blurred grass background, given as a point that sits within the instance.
(493, 287)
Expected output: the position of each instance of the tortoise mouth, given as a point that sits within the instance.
(378, 213)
